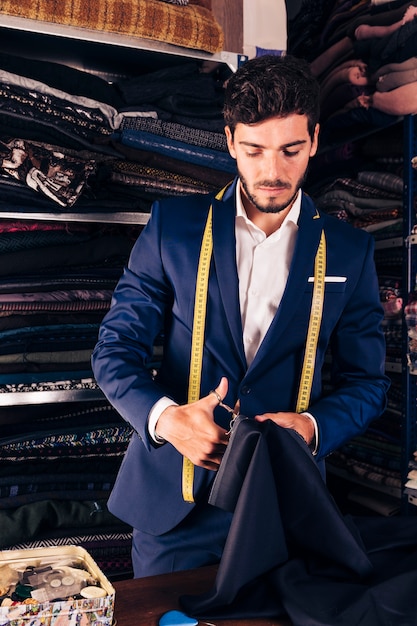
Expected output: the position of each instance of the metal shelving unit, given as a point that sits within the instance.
(109, 55)
(409, 430)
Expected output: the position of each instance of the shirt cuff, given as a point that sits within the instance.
(315, 443)
(154, 415)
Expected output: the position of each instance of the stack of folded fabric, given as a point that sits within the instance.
(172, 119)
(57, 280)
(95, 146)
(72, 145)
(365, 187)
(116, 147)
(362, 54)
(364, 57)
(57, 467)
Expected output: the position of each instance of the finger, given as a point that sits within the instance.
(220, 448)
(224, 440)
(213, 462)
(211, 466)
(262, 418)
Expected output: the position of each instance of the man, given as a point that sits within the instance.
(265, 237)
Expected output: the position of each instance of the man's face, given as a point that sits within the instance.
(272, 158)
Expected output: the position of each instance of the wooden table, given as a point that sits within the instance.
(143, 601)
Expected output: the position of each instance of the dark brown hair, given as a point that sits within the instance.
(269, 86)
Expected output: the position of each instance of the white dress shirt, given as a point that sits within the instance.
(263, 265)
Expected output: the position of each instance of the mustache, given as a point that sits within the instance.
(273, 183)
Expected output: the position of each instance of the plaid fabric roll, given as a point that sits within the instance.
(190, 26)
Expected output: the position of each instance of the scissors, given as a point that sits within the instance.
(229, 409)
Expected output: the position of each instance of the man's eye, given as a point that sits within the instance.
(291, 153)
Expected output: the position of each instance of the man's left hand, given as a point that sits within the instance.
(296, 421)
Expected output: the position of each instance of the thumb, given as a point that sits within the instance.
(219, 393)
(222, 387)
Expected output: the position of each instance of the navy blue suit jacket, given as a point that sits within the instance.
(156, 292)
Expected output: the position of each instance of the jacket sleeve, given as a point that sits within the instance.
(359, 384)
(127, 334)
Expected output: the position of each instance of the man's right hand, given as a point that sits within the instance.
(191, 429)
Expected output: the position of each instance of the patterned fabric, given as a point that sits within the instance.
(172, 130)
(355, 205)
(377, 451)
(165, 183)
(59, 177)
(390, 293)
(108, 441)
(17, 226)
(216, 159)
(99, 301)
(43, 90)
(359, 189)
(393, 333)
(382, 181)
(77, 540)
(367, 471)
(58, 112)
(63, 295)
(26, 240)
(85, 384)
(192, 26)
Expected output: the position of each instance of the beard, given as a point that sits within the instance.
(271, 206)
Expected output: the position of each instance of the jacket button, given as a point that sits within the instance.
(246, 390)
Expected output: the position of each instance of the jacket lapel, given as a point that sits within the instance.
(224, 254)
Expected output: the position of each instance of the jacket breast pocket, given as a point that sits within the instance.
(331, 284)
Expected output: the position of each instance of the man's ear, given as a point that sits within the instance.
(315, 142)
(230, 142)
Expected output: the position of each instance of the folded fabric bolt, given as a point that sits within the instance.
(216, 159)
(59, 177)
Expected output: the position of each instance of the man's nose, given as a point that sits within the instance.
(274, 168)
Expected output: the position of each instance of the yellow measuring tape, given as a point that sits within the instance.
(197, 343)
(199, 322)
(316, 312)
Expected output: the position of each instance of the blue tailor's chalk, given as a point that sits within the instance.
(176, 618)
